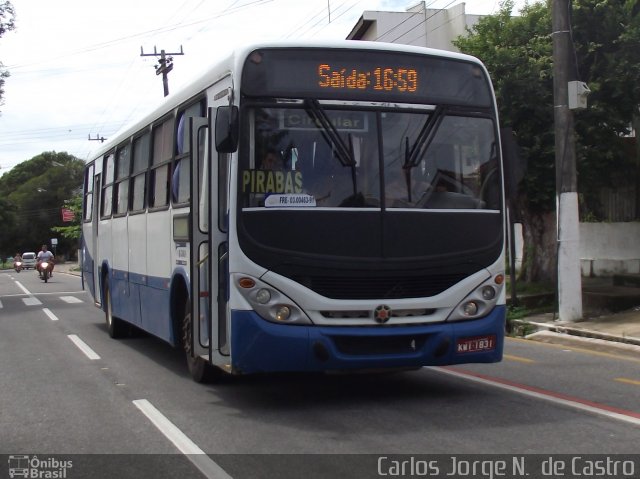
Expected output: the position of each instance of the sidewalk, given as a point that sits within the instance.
(69, 267)
(616, 329)
(611, 316)
(607, 332)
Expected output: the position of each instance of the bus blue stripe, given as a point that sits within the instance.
(262, 346)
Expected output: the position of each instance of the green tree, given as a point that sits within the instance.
(606, 35)
(7, 227)
(517, 51)
(38, 189)
(7, 22)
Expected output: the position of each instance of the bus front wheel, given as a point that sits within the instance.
(199, 369)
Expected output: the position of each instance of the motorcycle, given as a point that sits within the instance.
(45, 270)
(17, 265)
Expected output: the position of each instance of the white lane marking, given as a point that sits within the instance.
(70, 299)
(43, 294)
(185, 445)
(576, 403)
(82, 346)
(0, 304)
(24, 290)
(48, 312)
(31, 301)
(62, 292)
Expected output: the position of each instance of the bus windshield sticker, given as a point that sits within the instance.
(289, 201)
(350, 121)
(268, 181)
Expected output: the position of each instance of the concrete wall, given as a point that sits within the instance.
(605, 248)
(419, 26)
(609, 248)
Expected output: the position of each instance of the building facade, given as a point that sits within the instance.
(419, 26)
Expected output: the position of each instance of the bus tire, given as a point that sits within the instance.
(115, 326)
(199, 369)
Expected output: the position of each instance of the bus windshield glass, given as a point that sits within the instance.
(336, 156)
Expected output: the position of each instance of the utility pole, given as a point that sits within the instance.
(164, 66)
(568, 232)
(101, 139)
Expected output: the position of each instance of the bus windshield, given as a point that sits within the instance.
(354, 156)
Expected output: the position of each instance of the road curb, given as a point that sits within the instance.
(585, 333)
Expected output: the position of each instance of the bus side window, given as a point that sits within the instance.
(161, 164)
(180, 187)
(106, 205)
(88, 193)
(139, 174)
(121, 195)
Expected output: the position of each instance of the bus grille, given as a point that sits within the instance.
(362, 346)
(386, 287)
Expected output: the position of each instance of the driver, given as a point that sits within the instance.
(45, 255)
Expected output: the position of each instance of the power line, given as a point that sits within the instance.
(324, 17)
(48, 132)
(155, 31)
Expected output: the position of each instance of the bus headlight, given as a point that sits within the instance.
(263, 296)
(480, 302)
(269, 302)
(283, 313)
(488, 293)
(470, 308)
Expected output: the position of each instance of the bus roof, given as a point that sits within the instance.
(233, 62)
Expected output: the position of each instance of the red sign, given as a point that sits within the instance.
(67, 215)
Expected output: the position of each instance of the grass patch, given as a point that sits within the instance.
(523, 287)
(517, 324)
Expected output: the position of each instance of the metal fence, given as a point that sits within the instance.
(619, 204)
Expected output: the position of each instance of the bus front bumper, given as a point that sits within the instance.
(261, 346)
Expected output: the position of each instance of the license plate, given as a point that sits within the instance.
(476, 344)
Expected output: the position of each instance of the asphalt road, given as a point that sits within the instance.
(127, 408)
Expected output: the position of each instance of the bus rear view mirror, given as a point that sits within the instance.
(515, 166)
(227, 129)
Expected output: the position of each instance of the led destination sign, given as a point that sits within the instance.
(364, 75)
(379, 79)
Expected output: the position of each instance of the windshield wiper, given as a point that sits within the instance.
(425, 137)
(343, 151)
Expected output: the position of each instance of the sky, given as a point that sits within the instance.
(77, 71)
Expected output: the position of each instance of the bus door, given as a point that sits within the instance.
(200, 260)
(209, 264)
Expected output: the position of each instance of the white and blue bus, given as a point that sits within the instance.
(308, 207)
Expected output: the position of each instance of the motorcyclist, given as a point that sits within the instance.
(17, 259)
(45, 255)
